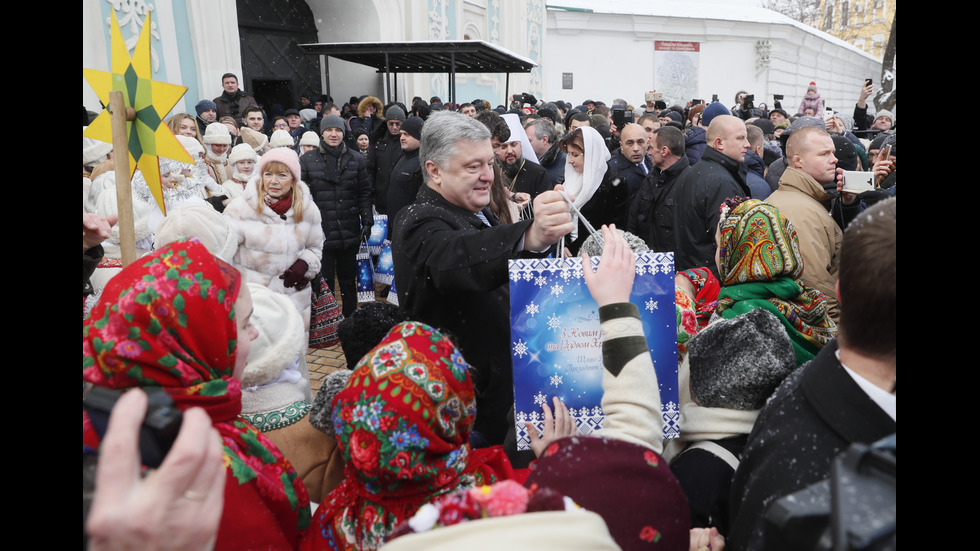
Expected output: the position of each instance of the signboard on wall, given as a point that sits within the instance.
(566, 81)
(676, 70)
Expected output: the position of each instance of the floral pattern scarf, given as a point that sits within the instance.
(403, 425)
(761, 267)
(168, 320)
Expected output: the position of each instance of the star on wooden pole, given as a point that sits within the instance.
(147, 136)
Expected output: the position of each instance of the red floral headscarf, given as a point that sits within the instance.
(403, 424)
(168, 320)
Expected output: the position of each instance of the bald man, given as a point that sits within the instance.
(804, 197)
(719, 175)
(631, 159)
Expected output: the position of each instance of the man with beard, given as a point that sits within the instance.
(521, 174)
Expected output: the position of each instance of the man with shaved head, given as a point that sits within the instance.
(805, 191)
(719, 175)
(631, 159)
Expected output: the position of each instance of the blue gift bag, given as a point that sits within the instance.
(556, 347)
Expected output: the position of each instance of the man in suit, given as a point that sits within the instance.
(630, 160)
(450, 256)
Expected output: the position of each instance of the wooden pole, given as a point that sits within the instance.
(120, 114)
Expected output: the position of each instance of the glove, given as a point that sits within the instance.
(295, 275)
(365, 233)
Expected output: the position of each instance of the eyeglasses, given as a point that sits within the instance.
(281, 125)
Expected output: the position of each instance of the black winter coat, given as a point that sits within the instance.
(634, 175)
(341, 189)
(701, 190)
(451, 272)
(381, 159)
(406, 179)
(817, 412)
(651, 216)
(609, 205)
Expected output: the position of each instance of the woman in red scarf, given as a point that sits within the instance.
(280, 241)
(179, 319)
(403, 424)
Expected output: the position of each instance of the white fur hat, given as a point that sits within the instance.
(94, 151)
(307, 114)
(272, 379)
(193, 147)
(281, 138)
(217, 133)
(309, 138)
(257, 140)
(242, 152)
(200, 220)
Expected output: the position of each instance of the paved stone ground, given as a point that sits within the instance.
(323, 361)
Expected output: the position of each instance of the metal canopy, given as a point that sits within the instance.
(433, 56)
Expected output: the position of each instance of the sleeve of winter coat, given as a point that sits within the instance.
(630, 391)
(860, 115)
(462, 259)
(313, 254)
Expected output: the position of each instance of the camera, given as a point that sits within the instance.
(525, 98)
(714, 98)
(777, 97)
(747, 102)
(160, 426)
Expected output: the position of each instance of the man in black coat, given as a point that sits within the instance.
(406, 176)
(521, 175)
(383, 154)
(341, 189)
(630, 159)
(451, 256)
(543, 136)
(719, 175)
(845, 395)
(651, 215)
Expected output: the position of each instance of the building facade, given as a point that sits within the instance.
(696, 51)
(193, 43)
(865, 24)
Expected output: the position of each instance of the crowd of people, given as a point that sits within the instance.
(785, 297)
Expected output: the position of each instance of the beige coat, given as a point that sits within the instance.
(805, 203)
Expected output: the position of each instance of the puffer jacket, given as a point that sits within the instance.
(341, 189)
(694, 143)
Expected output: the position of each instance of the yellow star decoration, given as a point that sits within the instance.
(148, 136)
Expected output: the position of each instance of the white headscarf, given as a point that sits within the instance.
(517, 133)
(583, 186)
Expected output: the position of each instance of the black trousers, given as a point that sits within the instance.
(342, 265)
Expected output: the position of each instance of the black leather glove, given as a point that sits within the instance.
(365, 233)
(295, 276)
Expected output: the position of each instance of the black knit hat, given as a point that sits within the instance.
(413, 127)
(737, 363)
(846, 153)
(767, 127)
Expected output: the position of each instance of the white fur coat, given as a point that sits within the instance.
(268, 244)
